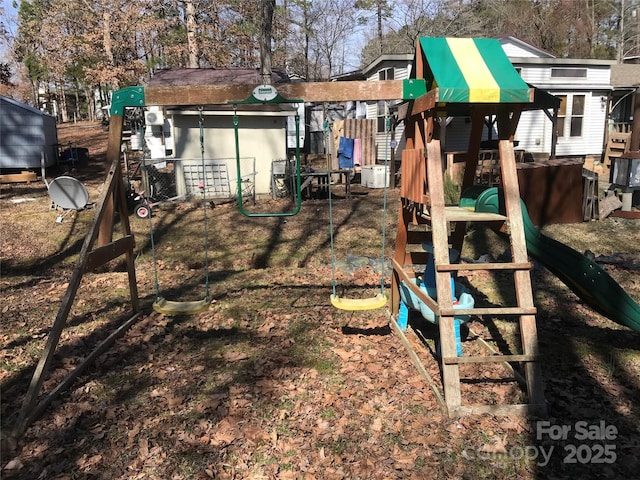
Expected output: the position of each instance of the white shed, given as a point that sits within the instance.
(26, 134)
(262, 139)
(262, 131)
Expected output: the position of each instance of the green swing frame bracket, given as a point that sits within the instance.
(126, 97)
(267, 94)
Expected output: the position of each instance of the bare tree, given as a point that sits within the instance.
(331, 30)
(303, 16)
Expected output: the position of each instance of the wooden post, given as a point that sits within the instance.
(522, 278)
(475, 139)
(450, 372)
(113, 155)
(634, 143)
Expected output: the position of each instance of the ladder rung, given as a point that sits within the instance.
(484, 266)
(488, 311)
(458, 214)
(491, 359)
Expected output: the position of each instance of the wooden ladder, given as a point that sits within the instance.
(617, 145)
(440, 217)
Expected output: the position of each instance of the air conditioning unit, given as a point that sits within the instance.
(154, 118)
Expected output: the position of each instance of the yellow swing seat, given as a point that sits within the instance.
(168, 307)
(358, 304)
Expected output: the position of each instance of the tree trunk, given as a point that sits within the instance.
(379, 12)
(91, 103)
(34, 93)
(268, 7)
(107, 42)
(192, 32)
(306, 43)
(62, 103)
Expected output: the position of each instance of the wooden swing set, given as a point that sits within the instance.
(422, 201)
(99, 246)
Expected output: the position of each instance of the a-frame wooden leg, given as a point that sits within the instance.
(89, 258)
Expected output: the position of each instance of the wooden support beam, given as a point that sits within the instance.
(105, 232)
(39, 409)
(309, 92)
(488, 311)
(475, 140)
(422, 104)
(522, 409)
(421, 294)
(399, 253)
(522, 278)
(106, 253)
(440, 231)
(417, 362)
(24, 176)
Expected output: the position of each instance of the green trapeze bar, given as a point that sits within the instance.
(298, 193)
(267, 94)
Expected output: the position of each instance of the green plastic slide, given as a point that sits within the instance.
(584, 277)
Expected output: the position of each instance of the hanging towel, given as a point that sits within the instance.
(357, 153)
(345, 152)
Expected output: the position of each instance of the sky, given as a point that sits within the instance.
(8, 19)
(9, 11)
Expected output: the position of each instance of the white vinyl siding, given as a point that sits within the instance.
(516, 51)
(534, 132)
(539, 75)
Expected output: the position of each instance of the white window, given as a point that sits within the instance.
(381, 109)
(571, 115)
(381, 115)
(386, 74)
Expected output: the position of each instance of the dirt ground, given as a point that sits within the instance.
(272, 381)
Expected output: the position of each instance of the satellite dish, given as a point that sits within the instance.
(68, 193)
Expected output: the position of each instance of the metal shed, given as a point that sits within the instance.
(25, 134)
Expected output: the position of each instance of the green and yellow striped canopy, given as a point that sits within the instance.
(471, 70)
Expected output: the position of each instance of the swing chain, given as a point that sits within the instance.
(235, 115)
(204, 204)
(201, 124)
